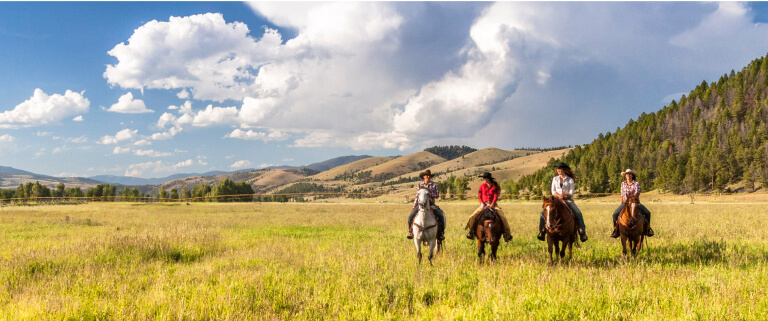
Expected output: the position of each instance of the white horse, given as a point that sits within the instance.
(425, 226)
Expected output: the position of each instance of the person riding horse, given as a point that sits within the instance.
(630, 187)
(488, 196)
(434, 194)
(563, 186)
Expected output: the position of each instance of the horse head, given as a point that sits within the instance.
(552, 212)
(423, 197)
(631, 207)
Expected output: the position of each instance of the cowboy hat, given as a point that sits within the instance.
(425, 173)
(486, 175)
(562, 166)
(628, 171)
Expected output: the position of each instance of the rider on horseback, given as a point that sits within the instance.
(434, 193)
(488, 195)
(563, 186)
(630, 187)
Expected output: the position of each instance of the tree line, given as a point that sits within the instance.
(715, 136)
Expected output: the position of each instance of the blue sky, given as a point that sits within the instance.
(149, 89)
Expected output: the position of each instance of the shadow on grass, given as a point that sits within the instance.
(695, 253)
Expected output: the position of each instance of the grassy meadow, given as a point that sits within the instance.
(350, 261)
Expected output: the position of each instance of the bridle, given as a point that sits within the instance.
(427, 209)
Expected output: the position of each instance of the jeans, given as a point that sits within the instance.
(576, 212)
(645, 211)
(439, 215)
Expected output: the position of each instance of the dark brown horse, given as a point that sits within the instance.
(560, 225)
(631, 226)
(489, 229)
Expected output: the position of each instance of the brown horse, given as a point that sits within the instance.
(560, 225)
(631, 226)
(489, 229)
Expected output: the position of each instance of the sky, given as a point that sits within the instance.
(149, 89)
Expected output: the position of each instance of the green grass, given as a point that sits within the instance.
(351, 261)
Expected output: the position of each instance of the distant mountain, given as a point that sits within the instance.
(126, 180)
(11, 177)
(334, 162)
(13, 171)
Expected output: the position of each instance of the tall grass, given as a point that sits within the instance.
(352, 262)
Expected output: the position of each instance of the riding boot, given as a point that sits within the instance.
(615, 233)
(541, 235)
(583, 236)
(410, 233)
(648, 230)
(471, 235)
(507, 237)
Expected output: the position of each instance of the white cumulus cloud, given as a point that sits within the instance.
(150, 153)
(254, 135)
(125, 134)
(7, 138)
(240, 164)
(44, 109)
(127, 105)
(135, 170)
(121, 150)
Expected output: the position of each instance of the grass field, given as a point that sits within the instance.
(351, 261)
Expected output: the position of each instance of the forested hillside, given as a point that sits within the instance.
(713, 137)
(450, 152)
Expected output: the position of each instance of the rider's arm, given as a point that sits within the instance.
(480, 196)
(554, 189)
(495, 197)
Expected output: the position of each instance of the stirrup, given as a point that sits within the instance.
(615, 233)
(650, 232)
(541, 236)
(409, 235)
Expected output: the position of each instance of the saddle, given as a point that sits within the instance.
(486, 214)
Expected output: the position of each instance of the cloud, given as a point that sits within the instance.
(125, 134)
(253, 135)
(42, 134)
(6, 138)
(183, 94)
(78, 118)
(433, 72)
(127, 105)
(135, 170)
(240, 164)
(150, 153)
(60, 149)
(121, 150)
(43, 109)
(142, 142)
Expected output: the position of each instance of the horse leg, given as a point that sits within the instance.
(562, 251)
(624, 245)
(494, 247)
(431, 251)
(418, 248)
(549, 247)
(480, 249)
(557, 248)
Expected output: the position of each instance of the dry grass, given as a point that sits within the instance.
(350, 261)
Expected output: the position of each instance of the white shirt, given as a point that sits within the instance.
(569, 186)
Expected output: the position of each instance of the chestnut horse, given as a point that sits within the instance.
(488, 231)
(631, 225)
(560, 226)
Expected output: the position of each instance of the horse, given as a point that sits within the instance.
(631, 226)
(489, 229)
(425, 226)
(560, 226)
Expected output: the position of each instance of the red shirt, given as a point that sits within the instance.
(488, 193)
